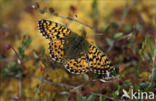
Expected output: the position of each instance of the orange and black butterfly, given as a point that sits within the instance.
(76, 53)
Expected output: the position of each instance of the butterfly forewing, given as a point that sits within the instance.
(52, 30)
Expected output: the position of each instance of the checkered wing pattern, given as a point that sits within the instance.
(98, 62)
(52, 30)
(78, 65)
(56, 50)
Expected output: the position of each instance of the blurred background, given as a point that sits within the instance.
(123, 29)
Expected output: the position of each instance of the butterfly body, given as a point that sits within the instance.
(76, 46)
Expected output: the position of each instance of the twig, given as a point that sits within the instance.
(68, 18)
(71, 18)
(41, 81)
(74, 88)
(79, 87)
(19, 91)
(20, 87)
(58, 84)
(7, 59)
(38, 89)
(19, 60)
(126, 12)
(85, 83)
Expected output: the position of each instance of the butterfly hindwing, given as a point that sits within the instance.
(56, 50)
(98, 62)
(78, 65)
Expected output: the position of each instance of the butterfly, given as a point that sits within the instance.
(73, 50)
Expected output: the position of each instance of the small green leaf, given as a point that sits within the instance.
(20, 51)
(117, 93)
(35, 55)
(114, 94)
(118, 35)
(90, 98)
(110, 42)
(106, 29)
(26, 41)
(79, 98)
(18, 75)
(115, 25)
(26, 57)
(139, 27)
(12, 71)
(127, 83)
(140, 52)
(100, 99)
(153, 76)
(143, 45)
(151, 47)
(128, 28)
(143, 84)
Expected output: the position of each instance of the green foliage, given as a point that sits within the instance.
(106, 29)
(102, 99)
(118, 35)
(80, 98)
(12, 71)
(153, 76)
(151, 47)
(15, 69)
(110, 42)
(35, 54)
(143, 85)
(25, 43)
(142, 48)
(115, 25)
(139, 27)
(116, 93)
(127, 83)
(128, 28)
